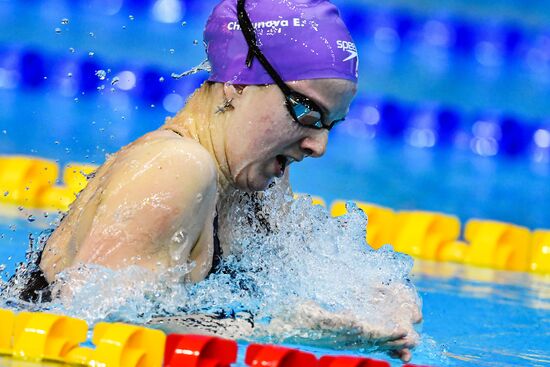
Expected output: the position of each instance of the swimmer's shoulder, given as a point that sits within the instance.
(180, 157)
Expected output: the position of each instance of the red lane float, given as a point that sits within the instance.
(345, 361)
(275, 356)
(199, 351)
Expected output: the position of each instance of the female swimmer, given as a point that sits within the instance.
(283, 73)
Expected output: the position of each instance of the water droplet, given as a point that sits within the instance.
(131, 17)
(31, 218)
(6, 193)
(91, 54)
(12, 227)
(184, 23)
(91, 34)
(123, 27)
(161, 79)
(115, 80)
(152, 106)
(58, 30)
(20, 208)
(56, 142)
(172, 51)
(195, 42)
(76, 99)
(70, 75)
(101, 87)
(71, 50)
(64, 21)
(46, 214)
(9, 257)
(2, 266)
(101, 74)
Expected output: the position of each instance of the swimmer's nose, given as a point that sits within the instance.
(315, 144)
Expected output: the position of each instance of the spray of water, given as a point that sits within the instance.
(300, 274)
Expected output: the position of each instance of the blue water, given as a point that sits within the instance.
(472, 317)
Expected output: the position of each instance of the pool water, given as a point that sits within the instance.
(472, 316)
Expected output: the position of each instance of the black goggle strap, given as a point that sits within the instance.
(254, 51)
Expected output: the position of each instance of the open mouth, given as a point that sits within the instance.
(283, 161)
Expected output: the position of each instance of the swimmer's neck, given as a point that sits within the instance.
(199, 121)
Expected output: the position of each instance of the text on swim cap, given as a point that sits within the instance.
(348, 47)
(296, 22)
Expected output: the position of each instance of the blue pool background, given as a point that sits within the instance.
(452, 116)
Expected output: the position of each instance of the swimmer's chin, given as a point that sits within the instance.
(254, 184)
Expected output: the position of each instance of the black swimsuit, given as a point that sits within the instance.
(37, 288)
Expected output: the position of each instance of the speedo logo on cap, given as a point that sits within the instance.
(348, 47)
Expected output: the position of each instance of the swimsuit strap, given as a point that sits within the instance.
(218, 252)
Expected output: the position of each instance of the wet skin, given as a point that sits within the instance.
(153, 203)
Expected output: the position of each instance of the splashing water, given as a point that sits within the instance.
(203, 66)
(300, 273)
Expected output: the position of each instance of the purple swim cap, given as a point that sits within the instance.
(302, 39)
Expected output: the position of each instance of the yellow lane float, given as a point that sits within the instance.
(422, 234)
(497, 245)
(121, 345)
(43, 336)
(540, 259)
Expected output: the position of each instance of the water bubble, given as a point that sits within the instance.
(123, 27)
(70, 75)
(20, 208)
(101, 87)
(161, 79)
(71, 50)
(64, 21)
(58, 30)
(2, 266)
(172, 51)
(195, 42)
(131, 17)
(31, 218)
(91, 54)
(91, 34)
(4, 132)
(115, 80)
(184, 23)
(6, 193)
(101, 74)
(76, 99)
(12, 228)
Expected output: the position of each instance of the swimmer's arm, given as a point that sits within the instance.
(159, 198)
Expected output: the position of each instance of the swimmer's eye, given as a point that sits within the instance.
(308, 114)
(302, 109)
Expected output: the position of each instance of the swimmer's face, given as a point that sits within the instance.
(262, 139)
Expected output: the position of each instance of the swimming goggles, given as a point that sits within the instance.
(303, 110)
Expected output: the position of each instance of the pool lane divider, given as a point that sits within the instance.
(32, 183)
(45, 337)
